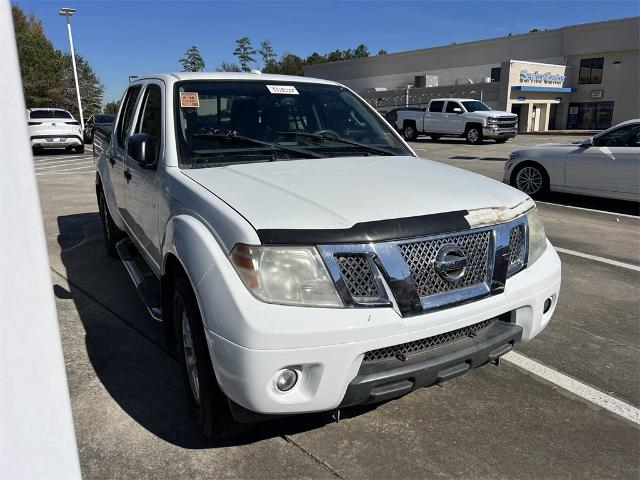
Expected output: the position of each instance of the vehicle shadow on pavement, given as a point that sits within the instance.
(127, 352)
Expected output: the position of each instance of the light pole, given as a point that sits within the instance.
(68, 12)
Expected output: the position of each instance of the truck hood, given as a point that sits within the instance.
(340, 192)
(492, 113)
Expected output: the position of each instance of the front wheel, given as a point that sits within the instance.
(473, 135)
(531, 179)
(208, 404)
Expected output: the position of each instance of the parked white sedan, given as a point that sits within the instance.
(607, 165)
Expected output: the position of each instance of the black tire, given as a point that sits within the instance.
(435, 137)
(473, 134)
(501, 140)
(112, 234)
(209, 407)
(36, 150)
(79, 149)
(530, 178)
(409, 132)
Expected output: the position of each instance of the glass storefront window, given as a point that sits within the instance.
(590, 70)
(590, 115)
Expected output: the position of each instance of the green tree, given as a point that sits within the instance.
(315, 58)
(245, 53)
(291, 64)
(267, 53)
(91, 89)
(111, 107)
(228, 67)
(361, 51)
(335, 56)
(192, 60)
(40, 63)
(382, 51)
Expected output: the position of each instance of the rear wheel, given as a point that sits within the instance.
(473, 134)
(112, 234)
(208, 404)
(531, 178)
(409, 132)
(79, 149)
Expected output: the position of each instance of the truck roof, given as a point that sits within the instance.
(172, 77)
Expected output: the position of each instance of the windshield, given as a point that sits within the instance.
(223, 122)
(105, 118)
(50, 114)
(475, 106)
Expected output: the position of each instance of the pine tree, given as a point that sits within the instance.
(245, 53)
(192, 60)
(267, 53)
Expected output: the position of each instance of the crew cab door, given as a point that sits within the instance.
(142, 185)
(611, 164)
(433, 117)
(453, 121)
(117, 153)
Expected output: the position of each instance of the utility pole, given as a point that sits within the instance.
(68, 12)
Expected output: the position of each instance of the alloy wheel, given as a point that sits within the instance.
(473, 135)
(190, 357)
(529, 180)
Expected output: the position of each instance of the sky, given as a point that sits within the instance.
(126, 37)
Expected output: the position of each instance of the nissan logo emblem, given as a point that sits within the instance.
(451, 262)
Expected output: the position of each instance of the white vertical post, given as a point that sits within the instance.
(75, 72)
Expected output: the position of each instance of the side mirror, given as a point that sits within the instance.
(457, 110)
(138, 148)
(587, 142)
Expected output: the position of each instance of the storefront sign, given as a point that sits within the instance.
(597, 93)
(541, 77)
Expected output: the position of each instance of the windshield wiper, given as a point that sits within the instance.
(339, 140)
(234, 136)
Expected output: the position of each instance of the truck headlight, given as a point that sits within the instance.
(285, 275)
(537, 237)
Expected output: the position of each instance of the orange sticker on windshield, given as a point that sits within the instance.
(189, 99)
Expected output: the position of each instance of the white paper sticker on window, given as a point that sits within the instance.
(189, 99)
(283, 89)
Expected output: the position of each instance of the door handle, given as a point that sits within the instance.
(112, 160)
(127, 175)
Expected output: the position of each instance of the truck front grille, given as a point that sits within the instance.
(357, 275)
(421, 256)
(417, 346)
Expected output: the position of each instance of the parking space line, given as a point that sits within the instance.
(574, 386)
(590, 210)
(68, 171)
(62, 165)
(62, 160)
(599, 259)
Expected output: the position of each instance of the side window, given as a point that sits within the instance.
(151, 119)
(126, 118)
(452, 105)
(621, 137)
(436, 106)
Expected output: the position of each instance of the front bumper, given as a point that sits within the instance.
(498, 132)
(341, 337)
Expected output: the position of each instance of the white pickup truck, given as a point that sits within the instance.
(461, 117)
(301, 257)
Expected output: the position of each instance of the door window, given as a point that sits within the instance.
(452, 105)
(436, 106)
(626, 136)
(150, 121)
(126, 118)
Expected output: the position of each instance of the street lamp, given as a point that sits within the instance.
(68, 12)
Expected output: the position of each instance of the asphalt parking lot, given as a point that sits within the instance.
(495, 422)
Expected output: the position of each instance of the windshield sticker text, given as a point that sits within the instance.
(189, 99)
(283, 89)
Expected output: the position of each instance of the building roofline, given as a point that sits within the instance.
(551, 31)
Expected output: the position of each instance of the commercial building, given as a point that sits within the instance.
(577, 77)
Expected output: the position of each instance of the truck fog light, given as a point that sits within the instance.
(547, 304)
(286, 380)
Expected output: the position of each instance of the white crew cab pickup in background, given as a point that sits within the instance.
(301, 257)
(461, 117)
